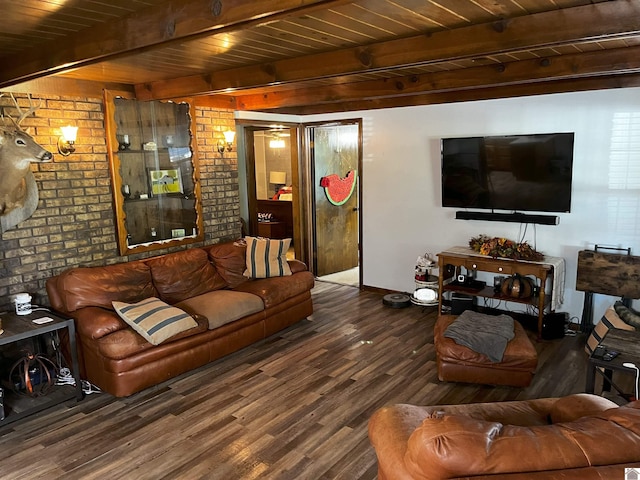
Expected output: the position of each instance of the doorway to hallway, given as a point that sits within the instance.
(334, 151)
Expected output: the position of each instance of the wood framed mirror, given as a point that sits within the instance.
(154, 173)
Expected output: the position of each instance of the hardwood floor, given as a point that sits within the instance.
(294, 406)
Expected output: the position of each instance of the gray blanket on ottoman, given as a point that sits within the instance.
(487, 334)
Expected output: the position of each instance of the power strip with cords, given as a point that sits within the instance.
(65, 378)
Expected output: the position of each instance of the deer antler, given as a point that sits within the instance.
(21, 112)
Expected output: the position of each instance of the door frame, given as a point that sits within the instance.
(246, 129)
(309, 179)
(303, 182)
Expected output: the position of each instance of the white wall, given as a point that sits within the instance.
(402, 216)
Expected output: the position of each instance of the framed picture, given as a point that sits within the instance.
(164, 182)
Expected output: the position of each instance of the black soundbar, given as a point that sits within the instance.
(509, 217)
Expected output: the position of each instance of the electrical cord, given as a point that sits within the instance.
(64, 374)
(88, 388)
(36, 308)
(65, 378)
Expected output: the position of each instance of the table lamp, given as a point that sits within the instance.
(278, 179)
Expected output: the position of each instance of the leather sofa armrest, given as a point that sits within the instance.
(96, 322)
(634, 404)
(297, 266)
(389, 430)
(53, 292)
(572, 407)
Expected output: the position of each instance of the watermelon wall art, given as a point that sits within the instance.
(339, 190)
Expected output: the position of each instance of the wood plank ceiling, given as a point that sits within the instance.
(313, 56)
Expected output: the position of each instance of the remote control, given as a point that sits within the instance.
(610, 355)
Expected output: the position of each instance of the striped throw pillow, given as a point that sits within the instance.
(267, 258)
(155, 320)
(610, 319)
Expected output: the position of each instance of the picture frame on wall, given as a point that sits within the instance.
(165, 182)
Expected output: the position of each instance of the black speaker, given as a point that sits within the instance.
(553, 325)
(508, 217)
(461, 302)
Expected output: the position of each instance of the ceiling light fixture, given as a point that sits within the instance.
(276, 143)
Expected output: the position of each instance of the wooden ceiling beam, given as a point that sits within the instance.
(69, 86)
(173, 21)
(490, 93)
(216, 101)
(597, 63)
(607, 20)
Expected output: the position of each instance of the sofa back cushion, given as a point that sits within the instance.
(99, 286)
(230, 261)
(181, 275)
(457, 446)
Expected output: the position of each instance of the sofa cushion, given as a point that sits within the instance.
(267, 258)
(154, 320)
(223, 306)
(230, 260)
(277, 290)
(126, 343)
(181, 275)
(99, 286)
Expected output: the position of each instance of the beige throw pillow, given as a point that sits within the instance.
(267, 258)
(153, 319)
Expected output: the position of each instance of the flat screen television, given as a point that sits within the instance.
(508, 172)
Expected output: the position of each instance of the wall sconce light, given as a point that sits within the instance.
(227, 143)
(278, 179)
(66, 142)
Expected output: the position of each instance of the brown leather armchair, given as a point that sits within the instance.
(576, 437)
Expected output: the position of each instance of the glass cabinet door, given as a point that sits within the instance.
(154, 172)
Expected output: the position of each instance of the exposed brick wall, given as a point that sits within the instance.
(74, 223)
(219, 174)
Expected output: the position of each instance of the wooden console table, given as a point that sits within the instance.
(451, 261)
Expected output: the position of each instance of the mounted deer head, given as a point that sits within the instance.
(17, 150)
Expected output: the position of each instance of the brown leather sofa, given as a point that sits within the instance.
(575, 437)
(231, 311)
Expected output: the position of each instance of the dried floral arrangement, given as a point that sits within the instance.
(504, 248)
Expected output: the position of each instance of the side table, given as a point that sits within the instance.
(21, 327)
(271, 229)
(627, 344)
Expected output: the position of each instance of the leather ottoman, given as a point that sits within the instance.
(457, 363)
